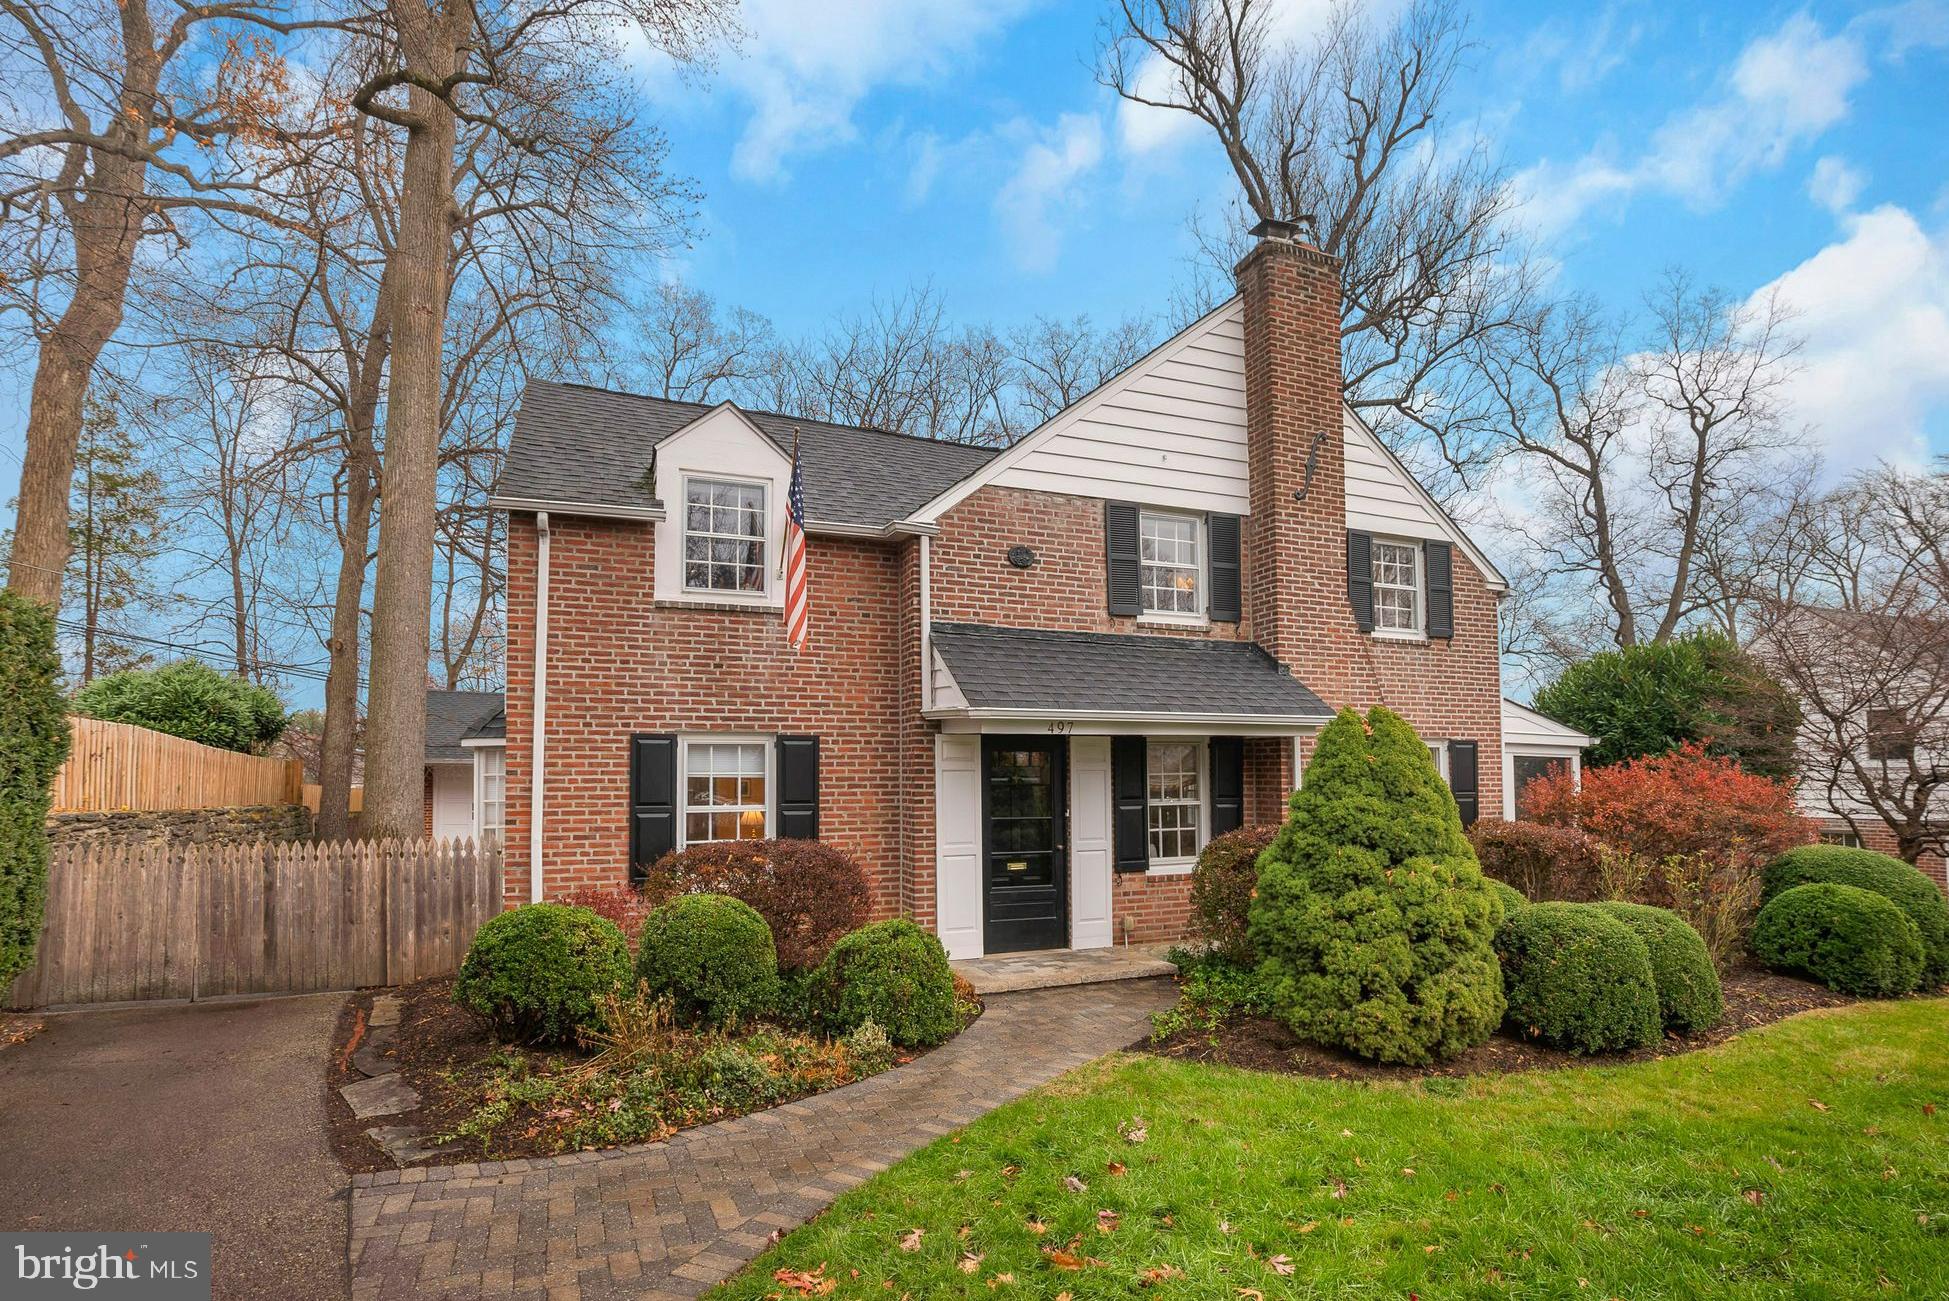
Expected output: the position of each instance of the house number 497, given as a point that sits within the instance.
(1061, 727)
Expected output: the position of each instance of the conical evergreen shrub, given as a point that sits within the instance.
(1373, 921)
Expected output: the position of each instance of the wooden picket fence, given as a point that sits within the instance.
(130, 920)
(121, 766)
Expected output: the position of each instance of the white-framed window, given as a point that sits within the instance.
(724, 536)
(491, 799)
(1171, 560)
(726, 789)
(1845, 839)
(1397, 587)
(1438, 751)
(1175, 802)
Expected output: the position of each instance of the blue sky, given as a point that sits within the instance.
(852, 150)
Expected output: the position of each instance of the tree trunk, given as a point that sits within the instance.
(104, 224)
(339, 746)
(395, 752)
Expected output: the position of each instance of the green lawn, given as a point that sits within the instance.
(1807, 1159)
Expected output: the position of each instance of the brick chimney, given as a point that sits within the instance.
(1296, 538)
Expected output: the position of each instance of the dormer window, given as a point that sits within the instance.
(724, 536)
(1171, 567)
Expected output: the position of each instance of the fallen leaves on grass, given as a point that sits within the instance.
(1158, 1274)
(1818, 1105)
(1134, 1130)
(970, 1261)
(1116, 1167)
(910, 1240)
(1074, 1185)
(1754, 1195)
(807, 1282)
(1281, 1265)
(1107, 1221)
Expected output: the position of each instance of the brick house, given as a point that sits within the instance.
(1037, 680)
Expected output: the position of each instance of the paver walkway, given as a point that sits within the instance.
(672, 1219)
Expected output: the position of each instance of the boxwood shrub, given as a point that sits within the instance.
(1689, 996)
(1222, 886)
(1889, 877)
(1849, 939)
(1577, 978)
(1512, 898)
(538, 974)
(712, 955)
(892, 973)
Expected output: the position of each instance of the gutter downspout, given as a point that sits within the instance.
(539, 745)
(926, 629)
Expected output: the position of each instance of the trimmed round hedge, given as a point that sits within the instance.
(892, 973)
(1577, 978)
(712, 955)
(1882, 874)
(538, 974)
(1689, 996)
(1512, 898)
(1849, 939)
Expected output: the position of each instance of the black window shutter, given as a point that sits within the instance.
(1439, 559)
(1227, 784)
(1223, 531)
(1129, 785)
(1463, 781)
(1120, 547)
(652, 799)
(798, 787)
(1360, 579)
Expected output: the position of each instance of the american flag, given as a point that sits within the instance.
(795, 596)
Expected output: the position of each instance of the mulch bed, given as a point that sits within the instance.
(436, 1040)
(1754, 997)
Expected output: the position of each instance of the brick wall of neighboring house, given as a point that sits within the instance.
(620, 663)
(1880, 837)
(1296, 550)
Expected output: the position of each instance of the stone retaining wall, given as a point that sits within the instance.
(279, 822)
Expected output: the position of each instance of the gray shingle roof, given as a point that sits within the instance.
(573, 443)
(452, 716)
(1086, 672)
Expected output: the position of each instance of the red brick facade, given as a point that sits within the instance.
(620, 662)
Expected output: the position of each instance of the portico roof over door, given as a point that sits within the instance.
(987, 678)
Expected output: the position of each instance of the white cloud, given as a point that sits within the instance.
(1047, 182)
(804, 68)
(1834, 184)
(1786, 88)
(1873, 308)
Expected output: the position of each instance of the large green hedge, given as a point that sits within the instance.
(1373, 922)
(891, 973)
(1578, 978)
(1849, 939)
(1891, 878)
(1689, 995)
(1651, 699)
(538, 974)
(713, 955)
(34, 742)
(190, 700)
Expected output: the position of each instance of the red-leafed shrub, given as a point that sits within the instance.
(621, 904)
(1222, 886)
(809, 893)
(1687, 802)
(1689, 831)
(1543, 862)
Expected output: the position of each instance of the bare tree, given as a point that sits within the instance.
(116, 129)
(677, 344)
(1653, 474)
(1349, 129)
(1861, 634)
(1060, 361)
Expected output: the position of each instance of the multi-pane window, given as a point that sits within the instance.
(1528, 769)
(1845, 839)
(724, 791)
(1889, 737)
(493, 794)
(1168, 551)
(1397, 586)
(724, 536)
(1175, 802)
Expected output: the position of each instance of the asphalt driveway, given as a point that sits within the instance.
(206, 1116)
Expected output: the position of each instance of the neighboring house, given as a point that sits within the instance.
(1872, 754)
(465, 765)
(1535, 746)
(1037, 680)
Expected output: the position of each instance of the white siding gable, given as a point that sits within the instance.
(1382, 497)
(720, 444)
(1170, 431)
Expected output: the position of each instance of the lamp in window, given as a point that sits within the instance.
(751, 824)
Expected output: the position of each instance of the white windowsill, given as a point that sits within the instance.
(1174, 620)
(1171, 867)
(1399, 634)
(720, 601)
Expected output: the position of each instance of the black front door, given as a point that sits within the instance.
(1025, 807)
